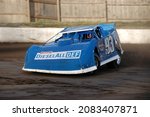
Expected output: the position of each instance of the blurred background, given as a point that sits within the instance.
(27, 11)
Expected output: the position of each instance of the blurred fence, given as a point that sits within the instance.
(105, 10)
(83, 10)
(14, 11)
(74, 10)
(43, 9)
(91, 10)
(128, 10)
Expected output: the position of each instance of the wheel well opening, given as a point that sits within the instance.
(96, 51)
(97, 58)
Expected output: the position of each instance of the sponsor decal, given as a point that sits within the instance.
(75, 54)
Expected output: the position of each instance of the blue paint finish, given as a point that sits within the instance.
(74, 49)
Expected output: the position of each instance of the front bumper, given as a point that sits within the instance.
(81, 71)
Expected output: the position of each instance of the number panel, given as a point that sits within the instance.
(109, 45)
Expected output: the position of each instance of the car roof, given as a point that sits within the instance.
(78, 29)
(108, 27)
(105, 27)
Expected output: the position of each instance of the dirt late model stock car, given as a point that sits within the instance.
(76, 50)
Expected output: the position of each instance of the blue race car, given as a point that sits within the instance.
(76, 50)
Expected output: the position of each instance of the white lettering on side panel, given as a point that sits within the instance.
(75, 54)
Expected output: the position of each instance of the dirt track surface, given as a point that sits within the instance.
(130, 81)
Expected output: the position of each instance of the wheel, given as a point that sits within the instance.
(115, 64)
(97, 61)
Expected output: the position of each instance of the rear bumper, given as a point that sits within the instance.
(81, 71)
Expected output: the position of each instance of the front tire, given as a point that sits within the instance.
(97, 61)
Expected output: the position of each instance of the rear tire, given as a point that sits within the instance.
(115, 64)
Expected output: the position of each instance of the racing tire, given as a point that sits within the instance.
(115, 64)
(97, 61)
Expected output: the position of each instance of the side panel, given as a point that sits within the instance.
(110, 52)
(61, 58)
(117, 43)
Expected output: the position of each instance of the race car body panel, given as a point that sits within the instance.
(73, 50)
